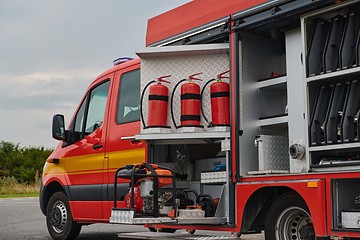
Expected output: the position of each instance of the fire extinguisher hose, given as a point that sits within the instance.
(141, 102)
(201, 102)
(172, 101)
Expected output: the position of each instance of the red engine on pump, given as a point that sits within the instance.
(138, 201)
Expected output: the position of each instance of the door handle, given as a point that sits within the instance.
(132, 139)
(135, 142)
(97, 146)
(128, 138)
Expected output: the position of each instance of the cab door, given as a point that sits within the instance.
(123, 125)
(85, 152)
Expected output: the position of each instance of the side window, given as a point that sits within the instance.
(128, 106)
(91, 112)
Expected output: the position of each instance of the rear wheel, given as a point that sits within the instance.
(289, 219)
(59, 220)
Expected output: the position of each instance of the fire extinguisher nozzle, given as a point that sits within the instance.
(221, 75)
(192, 77)
(161, 79)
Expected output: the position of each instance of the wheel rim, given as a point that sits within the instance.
(58, 217)
(294, 223)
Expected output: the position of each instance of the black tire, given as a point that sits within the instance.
(166, 230)
(289, 219)
(59, 221)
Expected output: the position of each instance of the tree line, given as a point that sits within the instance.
(25, 164)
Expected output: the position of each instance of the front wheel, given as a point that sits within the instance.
(59, 220)
(289, 219)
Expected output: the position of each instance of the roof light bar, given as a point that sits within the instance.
(121, 60)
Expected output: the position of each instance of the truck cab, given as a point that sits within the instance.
(286, 160)
(77, 182)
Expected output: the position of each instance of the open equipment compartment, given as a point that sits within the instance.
(197, 156)
(346, 204)
(333, 102)
(332, 40)
(267, 87)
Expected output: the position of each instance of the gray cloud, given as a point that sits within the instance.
(50, 51)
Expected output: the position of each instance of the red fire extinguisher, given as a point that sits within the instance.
(190, 102)
(158, 103)
(220, 101)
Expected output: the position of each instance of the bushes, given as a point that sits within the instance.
(24, 164)
(10, 186)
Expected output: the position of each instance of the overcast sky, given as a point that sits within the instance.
(50, 51)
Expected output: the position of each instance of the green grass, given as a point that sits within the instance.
(18, 195)
(10, 188)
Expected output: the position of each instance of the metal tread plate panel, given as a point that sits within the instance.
(350, 219)
(213, 177)
(205, 220)
(266, 172)
(127, 217)
(177, 235)
(210, 60)
(273, 153)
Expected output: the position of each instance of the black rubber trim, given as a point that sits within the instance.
(42, 197)
(156, 127)
(190, 118)
(187, 96)
(219, 94)
(219, 125)
(95, 192)
(86, 192)
(159, 98)
(122, 190)
(191, 125)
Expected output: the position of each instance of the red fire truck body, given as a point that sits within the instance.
(287, 164)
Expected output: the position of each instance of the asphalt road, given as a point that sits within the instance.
(21, 218)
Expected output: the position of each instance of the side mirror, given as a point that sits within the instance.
(58, 127)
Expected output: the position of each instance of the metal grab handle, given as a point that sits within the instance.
(97, 146)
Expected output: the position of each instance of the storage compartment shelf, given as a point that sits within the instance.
(273, 83)
(183, 137)
(278, 120)
(335, 147)
(338, 75)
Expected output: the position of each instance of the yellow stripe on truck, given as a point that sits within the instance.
(85, 163)
(122, 158)
(94, 163)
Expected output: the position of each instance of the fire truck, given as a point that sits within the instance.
(244, 117)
